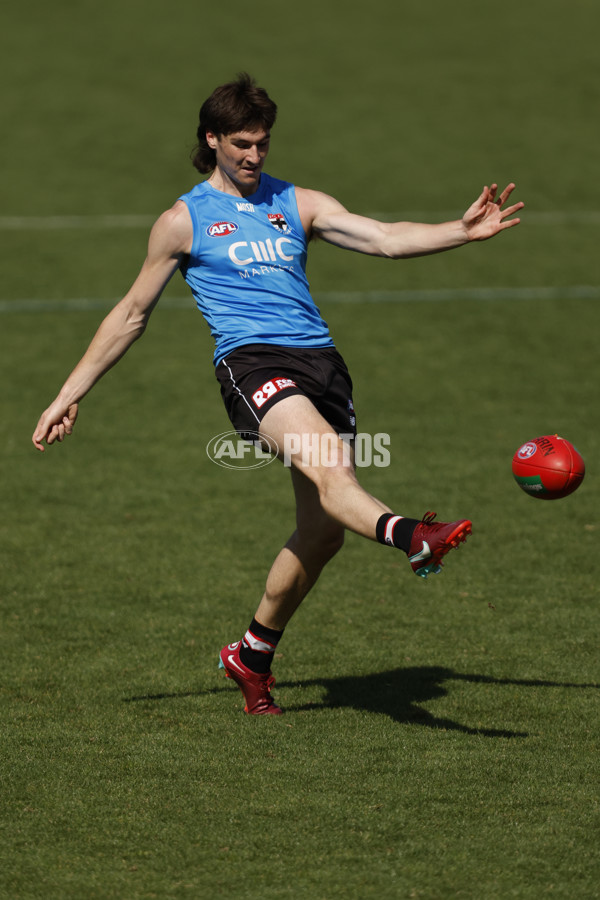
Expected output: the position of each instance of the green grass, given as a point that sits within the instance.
(441, 737)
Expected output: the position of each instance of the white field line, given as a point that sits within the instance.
(141, 221)
(57, 223)
(497, 294)
(569, 292)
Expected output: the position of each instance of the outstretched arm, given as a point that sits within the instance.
(170, 238)
(324, 217)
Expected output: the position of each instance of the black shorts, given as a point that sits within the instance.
(255, 377)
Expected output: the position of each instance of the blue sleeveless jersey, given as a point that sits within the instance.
(247, 268)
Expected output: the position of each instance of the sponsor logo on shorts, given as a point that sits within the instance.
(221, 229)
(269, 389)
(351, 413)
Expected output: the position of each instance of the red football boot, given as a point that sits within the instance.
(256, 688)
(431, 541)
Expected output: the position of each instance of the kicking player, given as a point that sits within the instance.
(240, 239)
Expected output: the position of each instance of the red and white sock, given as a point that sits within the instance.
(258, 647)
(396, 531)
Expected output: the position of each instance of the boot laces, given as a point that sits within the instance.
(268, 683)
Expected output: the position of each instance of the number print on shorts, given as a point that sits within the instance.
(269, 389)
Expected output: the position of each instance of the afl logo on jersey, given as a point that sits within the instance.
(221, 229)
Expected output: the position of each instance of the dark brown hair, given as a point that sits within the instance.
(236, 106)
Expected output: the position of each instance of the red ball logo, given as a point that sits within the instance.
(548, 467)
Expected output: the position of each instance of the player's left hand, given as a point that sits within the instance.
(486, 217)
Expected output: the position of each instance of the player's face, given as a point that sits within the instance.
(240, 158)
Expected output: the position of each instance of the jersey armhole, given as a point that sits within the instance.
(293, 204)
(196, 230)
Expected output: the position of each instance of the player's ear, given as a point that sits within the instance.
(211, 140)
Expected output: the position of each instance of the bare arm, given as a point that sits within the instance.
(170, 238)
(324, 217)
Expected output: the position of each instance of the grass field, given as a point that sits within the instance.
(441, 738)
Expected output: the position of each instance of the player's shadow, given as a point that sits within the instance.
(398, 694)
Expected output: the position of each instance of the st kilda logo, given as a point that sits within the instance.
(278, 222)
(221, 229)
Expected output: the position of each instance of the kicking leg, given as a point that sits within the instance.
(309, 444)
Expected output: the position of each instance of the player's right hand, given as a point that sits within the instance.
(54, 424)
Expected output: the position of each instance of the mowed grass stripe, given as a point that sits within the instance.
(570, 292)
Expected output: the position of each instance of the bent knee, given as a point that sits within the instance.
(335, 479)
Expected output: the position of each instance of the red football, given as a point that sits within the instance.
(548, 467)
